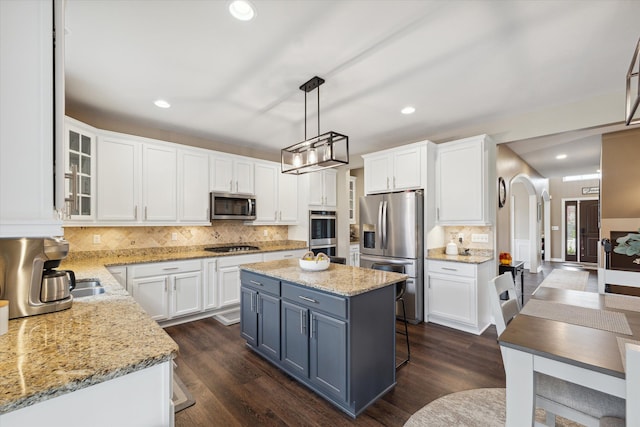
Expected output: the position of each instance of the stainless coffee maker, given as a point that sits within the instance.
(28, 276)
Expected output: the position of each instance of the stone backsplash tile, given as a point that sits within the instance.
(467, 231)
(221, 232)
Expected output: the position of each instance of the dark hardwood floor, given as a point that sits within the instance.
(233, 386)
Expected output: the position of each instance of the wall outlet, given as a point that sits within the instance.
(555, 228)
(96, 239)
(265, 233)
(480, 238)
(174, 236)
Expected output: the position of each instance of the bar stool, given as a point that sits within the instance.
(400, 289)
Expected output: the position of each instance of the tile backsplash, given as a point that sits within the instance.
(467, 231)
(222, 232)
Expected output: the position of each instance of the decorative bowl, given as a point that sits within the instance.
(314, 265)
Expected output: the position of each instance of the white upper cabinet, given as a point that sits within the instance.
(352, 200)
(193, 186)
(232, 174)
(137, 182)
(118, 175)
(322, 188)
(80, 171)
(396, 169)
(26, 120)
(276, 195)
(159, 186)
(465, 178)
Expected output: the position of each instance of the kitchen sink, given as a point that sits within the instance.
(87, 287)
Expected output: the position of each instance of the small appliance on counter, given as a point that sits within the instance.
(28, 276)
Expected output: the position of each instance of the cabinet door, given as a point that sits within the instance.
(287, 198)
(266, 193)
(249, 315)
(152, 294)
(452, 297)
(243, 176)
(159, 183)
(186, 293)
(328, 354)
(377, 171)
(352, 200)
(210, 288)
(269, 325)
(229, 285)
(118, 180)
(295, 338)
(406, 169)
(316, 192)
(330, 188)
(193, 177)
(221, 173)
(459, 184)
(80, 153)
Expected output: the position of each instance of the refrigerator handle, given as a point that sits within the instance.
(384, 225)
(380, 230)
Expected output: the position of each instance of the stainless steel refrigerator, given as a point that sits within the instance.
(392, 231)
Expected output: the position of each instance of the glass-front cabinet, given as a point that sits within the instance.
(79, 166)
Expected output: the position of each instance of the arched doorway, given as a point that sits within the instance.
(524, 219)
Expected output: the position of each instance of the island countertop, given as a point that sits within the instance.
(337, 279)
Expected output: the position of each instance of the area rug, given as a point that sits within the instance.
(482, 407)
(566, 279)
(182, 399)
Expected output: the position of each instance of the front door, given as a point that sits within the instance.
(589, 230)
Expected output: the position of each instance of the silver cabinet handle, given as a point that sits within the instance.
(394, 182)
(145, 213)
(255, 283)
(135, 212)
(236, 186)
(287, 256)
(257, 303)
(307, 299)
(301, 322)
(165, 284)
(313, 327)
(171, 268)
(275, 215)
(449, 269)
(74, 199)
(231, 185)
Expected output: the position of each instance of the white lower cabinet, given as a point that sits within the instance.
(458, 295)
(354, 255)
(167, 289)
(228, 277)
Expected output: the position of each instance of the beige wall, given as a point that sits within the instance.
(620, 191)
(508, 166)
(135, 127)
(221, 232)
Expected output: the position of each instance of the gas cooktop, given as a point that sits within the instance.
(234, 248)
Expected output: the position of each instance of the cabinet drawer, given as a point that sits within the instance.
(260, 282)
(163, 268)
(315, 300)
(457, 268)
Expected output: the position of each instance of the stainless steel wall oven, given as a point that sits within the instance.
(322, 232)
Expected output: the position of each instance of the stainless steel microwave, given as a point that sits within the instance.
(232, 206)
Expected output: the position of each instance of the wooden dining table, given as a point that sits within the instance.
(588, 356)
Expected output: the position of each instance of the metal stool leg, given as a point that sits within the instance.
(406, 334)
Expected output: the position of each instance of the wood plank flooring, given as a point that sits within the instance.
(233, 386)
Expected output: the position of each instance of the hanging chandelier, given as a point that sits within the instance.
(329, 150)
(632, 105)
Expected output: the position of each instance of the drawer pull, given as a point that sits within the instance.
(449, 269)
(170, 268)
(287, 256)
(307, 299)
(255, 283)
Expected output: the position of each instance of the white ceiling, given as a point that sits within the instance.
(459, 63)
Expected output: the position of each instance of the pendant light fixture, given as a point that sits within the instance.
(329, 150)
(632, 105)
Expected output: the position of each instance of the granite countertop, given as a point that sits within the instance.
(337, 279)
(99, 338)
(469, 259)
(144, 255)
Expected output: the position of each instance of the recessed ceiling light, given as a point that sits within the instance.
(561, 156)
(162, 103)
(408, 110)
(242, 10)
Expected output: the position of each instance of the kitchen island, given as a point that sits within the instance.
(332, 330)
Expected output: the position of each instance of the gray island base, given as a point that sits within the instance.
(332, 330)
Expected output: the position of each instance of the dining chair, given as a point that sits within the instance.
(400, 289)
(557, 397)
